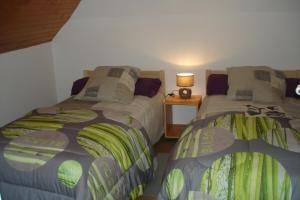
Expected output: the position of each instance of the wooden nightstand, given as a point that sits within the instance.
(174, 130)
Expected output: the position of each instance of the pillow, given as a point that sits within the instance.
(147, 86)
(110, 83)
(78, 85)
(255, 83)
(291, 84)
(217, 84)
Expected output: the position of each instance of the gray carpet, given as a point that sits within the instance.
(154, 186)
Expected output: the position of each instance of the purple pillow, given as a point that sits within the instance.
(291, 84)
(147, 86)
(78, 85)
(217, 84)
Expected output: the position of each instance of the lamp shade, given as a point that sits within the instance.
(185, 79)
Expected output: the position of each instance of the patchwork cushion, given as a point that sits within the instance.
(110, 83)
(256, 83)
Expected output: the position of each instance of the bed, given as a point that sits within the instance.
(82, 149)
(237, 150)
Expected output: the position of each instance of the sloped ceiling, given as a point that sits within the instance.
(24, 23)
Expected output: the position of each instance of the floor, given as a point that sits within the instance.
(163, 146)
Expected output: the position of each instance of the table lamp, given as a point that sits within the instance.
(185, 80)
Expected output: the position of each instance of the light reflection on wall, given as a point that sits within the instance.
(187, 59)
(192, 59)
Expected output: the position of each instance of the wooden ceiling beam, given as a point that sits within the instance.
(24, 23)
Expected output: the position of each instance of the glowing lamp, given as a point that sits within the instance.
(185, 80)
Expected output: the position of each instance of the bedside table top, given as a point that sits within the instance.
(176, 100)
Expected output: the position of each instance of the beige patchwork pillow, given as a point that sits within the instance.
(256, 83)
(110, 83)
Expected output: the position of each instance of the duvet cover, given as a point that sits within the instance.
(235, 155)
(80, 154)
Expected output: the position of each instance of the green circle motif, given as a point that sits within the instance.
(33, 150)
(174, 183)
(248, 176)
(69, 173)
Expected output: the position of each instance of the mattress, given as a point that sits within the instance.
(71, 151)
(236, 150)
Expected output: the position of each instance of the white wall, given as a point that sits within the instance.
(177, 36)
(26, 81)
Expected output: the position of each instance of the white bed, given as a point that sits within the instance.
(215, 155)
(75, 152)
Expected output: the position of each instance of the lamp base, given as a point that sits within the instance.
(185, 93)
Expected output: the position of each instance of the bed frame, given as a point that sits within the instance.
(160, 74)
